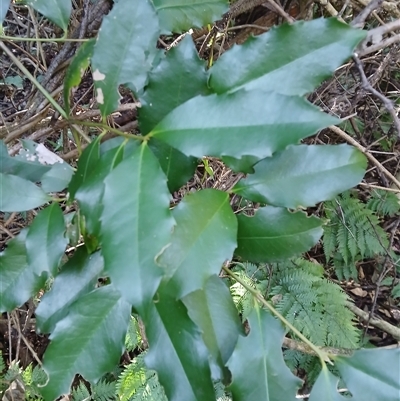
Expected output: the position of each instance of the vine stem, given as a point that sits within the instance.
(323, 356)
(33, 80)
(44, 40)
(108, 128)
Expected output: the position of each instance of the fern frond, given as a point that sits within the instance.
(80, 393)
(137, 383)
(103, 391)
(220, 393)
(314, 305)
(343, 270)
(2, 363)
(133, 338)
(384, 203)
(13, 372)
(353, 231)
(329, 240)
(242, 298)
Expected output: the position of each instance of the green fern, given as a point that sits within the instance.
(133, 338)
(33, 378)
(2, 364)
(384, 203)
(13, 372)
(352, 234)
(314, 305)
(103, 391)
(137, 383)
(220, 392)
(252, 275)
(80, 393)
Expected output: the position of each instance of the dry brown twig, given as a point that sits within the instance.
(379, 323)
(375, 41)
(367, 86)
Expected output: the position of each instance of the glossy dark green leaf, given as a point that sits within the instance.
(177, 351)
(37, 163)
(178, 168)
(136, 225)
(304, 175)
(86, 165)
(326, 388)
(244, 164)
(258, 369)
(57, 11)
(205, 226)
(90, 193)
(46, 242)
(18, 194)
(75, 70)
(124, 50)
(244, 123)
(4, 4)
(178, 16)
(213, 310)
(57, 178)
(17, 280)
(180, 76)
(77, 278)
(291, 59)
(25, 165)
(372, 374)
(89, 340)
(275, 233)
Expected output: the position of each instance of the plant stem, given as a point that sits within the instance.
(17, 39)
(323, 356)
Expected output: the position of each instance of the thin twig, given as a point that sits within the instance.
(367, 86)
(359, 21)
(379, 323)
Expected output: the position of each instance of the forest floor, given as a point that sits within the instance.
(364, 92)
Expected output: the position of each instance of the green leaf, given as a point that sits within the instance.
(89, 194)
(258, 369)
(366, 379)
(291, 59)
(46, 242)
(57, 178)
(304, 175)
(275, 234)
(86, 164)
(18, 194)
(75, 70)
(124, 50)
(136, 225)
(396, 291)
(178, 16)
(77, 278)
(4, 4)
(213, 310)
(17, 280)
(24, 165)
(244, 123)
(180, 76)
(36, 163)
(325, 388)
(57, 11)
(205, 225)
(88, 341)
(178, 168)
(177, 351)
